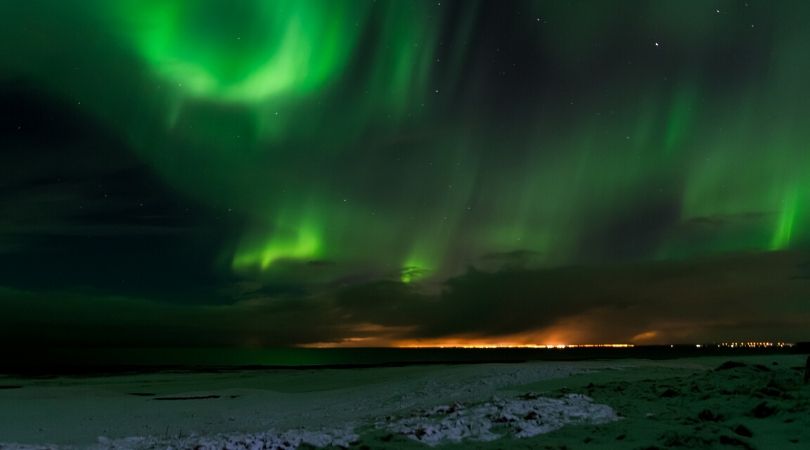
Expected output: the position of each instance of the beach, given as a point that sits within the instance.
(705, 402)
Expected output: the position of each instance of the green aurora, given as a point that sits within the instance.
(357, 140)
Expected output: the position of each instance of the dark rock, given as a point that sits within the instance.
(742, 430)
(529, 396)
(669, 393)
(807, 371)
(768, 391)
(728, 440)
(730, 365)
(673, 439)
(763, 410)
(761, 368)
(708, 416)
(621, 437)
(190, 397)
(776, 385)
(531, 415)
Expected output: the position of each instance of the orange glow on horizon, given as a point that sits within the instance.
(508, 345)
(456, 343)
(559, 336)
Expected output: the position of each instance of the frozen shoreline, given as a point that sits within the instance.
(430, 405)
(486, 421)
(76, 411)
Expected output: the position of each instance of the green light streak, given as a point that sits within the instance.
(301, 243)
(245, 52)
(413, 273)
(681, 115)
(785, 223)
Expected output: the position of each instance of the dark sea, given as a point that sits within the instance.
(107, 360)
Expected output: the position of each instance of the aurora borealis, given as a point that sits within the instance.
(383, 172)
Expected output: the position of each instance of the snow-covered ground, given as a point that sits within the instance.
(758, 402)
(77, 411)
(526, 416)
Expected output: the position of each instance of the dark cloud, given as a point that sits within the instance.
(513, 259)
(731, 297)
(633, 232)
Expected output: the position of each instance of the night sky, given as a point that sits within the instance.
(306, 172)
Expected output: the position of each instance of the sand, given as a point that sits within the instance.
(758, 403)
